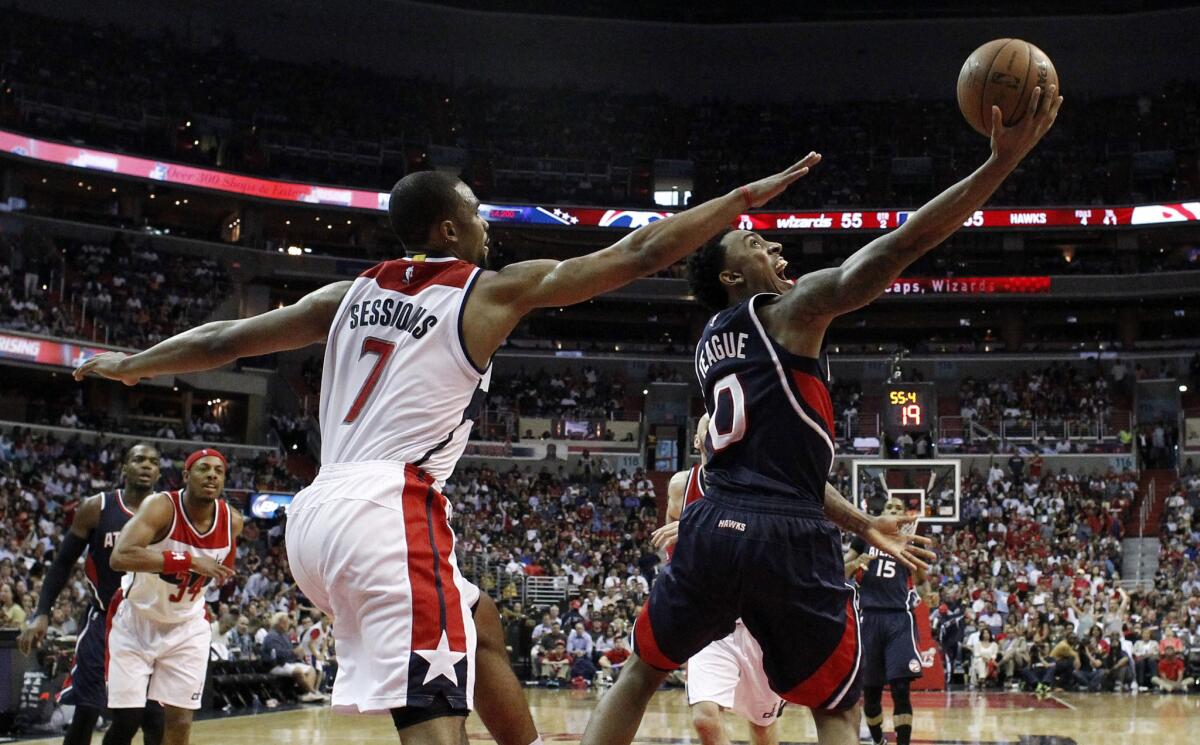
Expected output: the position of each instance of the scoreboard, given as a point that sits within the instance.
(909, 407)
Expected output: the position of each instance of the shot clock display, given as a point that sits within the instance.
(909, 407)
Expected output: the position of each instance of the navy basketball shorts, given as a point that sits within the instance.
(889, 641)
(779, 568)
(84, 685)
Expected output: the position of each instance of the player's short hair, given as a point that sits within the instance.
(420, 200)
(704, 273)
(135, 446)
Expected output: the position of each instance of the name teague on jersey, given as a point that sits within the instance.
(770, 431)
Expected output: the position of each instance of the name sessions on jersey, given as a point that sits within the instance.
(720, 347)
(403, 315)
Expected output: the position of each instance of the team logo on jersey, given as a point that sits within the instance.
(914, 666)
(110, 539)
(408, 274)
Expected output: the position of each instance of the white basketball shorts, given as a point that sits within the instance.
(147, 659)
(729, 673)
(370, 544)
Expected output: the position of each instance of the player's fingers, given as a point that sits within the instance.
(997, 121)
(1034, 100)
(84, 369)
(923, 553)
(922, 539)
(905, 560)
(807, 161)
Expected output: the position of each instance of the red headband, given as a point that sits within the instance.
(204, 453)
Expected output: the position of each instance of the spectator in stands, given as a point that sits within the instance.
(1015, 652)
(984, 653)
(556, 663)
(580, 641)
(277, 647)
(1170, 677)
(614, 659)
(240, 641)
(12, 616)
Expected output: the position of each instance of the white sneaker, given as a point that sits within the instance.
(312, 697)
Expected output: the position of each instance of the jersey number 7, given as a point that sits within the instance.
(370, 345)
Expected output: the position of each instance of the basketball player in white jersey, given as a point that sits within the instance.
(407, 363)
(727, 674)
(158, 636)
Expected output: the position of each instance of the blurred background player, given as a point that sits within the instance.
(739, 552)
(727, 674)
(158, 640)
(95, 527)
(314, 643)
(887, 597)
(407, 366)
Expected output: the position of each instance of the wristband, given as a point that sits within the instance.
(177, 562)
(746, 195)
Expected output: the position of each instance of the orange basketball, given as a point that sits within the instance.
(1002, 73)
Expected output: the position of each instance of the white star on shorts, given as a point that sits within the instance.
(441, 661)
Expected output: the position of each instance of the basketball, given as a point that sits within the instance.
(1002, 73)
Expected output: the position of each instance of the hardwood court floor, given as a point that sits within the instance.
(940, 719)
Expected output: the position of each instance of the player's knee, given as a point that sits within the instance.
(175, 717)
(706, 718)
(125, 724)
(873, 703)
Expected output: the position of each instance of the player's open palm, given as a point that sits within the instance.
(207, 566)
(1012, 144)
(764, 190)
(105, 365)
(892, 535)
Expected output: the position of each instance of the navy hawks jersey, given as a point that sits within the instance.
(884, 584)
(101, 541)
(770, 430)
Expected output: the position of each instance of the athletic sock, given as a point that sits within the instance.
(903, 734)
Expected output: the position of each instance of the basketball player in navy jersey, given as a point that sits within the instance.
(887, 593)
(764, 544)
(420, 647)
(98, 522)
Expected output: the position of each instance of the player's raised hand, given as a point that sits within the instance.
(106, 365)
(890, 534)
(206, 566)
(764, 190)
(31, 638)
(1011, 144)
(666, 536)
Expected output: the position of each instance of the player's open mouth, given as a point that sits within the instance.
(780, 266)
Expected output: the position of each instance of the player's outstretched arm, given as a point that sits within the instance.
(501, 299)
(864, 276)
(221, 342)
(883, 531)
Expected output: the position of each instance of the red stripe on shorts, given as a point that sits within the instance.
(823, 684)
(424, 526)
(646, 646)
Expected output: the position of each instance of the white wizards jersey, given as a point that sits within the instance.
(169, 598)
(397, 383)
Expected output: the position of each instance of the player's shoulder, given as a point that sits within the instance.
(237, 520)
(90, 508)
